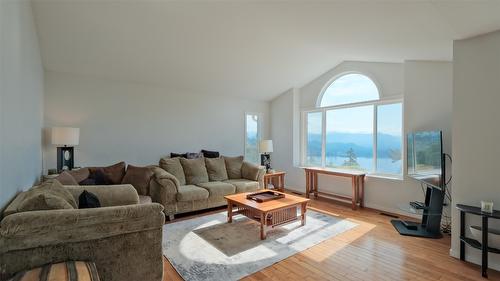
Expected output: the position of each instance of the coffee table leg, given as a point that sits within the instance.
(262, 226)
(303, 209)
(229, 212)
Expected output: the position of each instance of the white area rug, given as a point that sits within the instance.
(208, 248)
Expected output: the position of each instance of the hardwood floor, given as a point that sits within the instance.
(371, 251)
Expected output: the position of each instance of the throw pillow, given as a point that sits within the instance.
(50, 195)
(250, 171)
(113, 174)
(210, 154)
(233, 166)
(174, 167)
(195, 170)
(139, 178)
(97, 177)
(80, 174)
(216, 169)
(182, 155)
(66, 178)
(88, 200)
(194, 155)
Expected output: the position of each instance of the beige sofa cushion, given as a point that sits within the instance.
(194, 170)
(174, 167)
(191, 193)
(250, 171)
(66, 178)
(216, 168)
(233, 166)
(50, 195)
(139, 178)
(217, 188)
(244, 185)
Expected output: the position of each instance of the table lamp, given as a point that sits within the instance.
(266, 147)
(65, 138)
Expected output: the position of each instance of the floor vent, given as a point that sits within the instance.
(389, 215)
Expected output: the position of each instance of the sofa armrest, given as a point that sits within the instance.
(108, 195)
(43, 228)
(163, 189)
(254, 172)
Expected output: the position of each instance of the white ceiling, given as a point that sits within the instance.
(247, 48)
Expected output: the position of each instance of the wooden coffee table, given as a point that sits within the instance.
(269, 214)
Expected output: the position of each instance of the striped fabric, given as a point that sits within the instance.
(64, 271)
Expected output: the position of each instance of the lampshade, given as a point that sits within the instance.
(65, 136)
(266, 146)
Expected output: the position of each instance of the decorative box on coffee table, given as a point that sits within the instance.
(270, 213)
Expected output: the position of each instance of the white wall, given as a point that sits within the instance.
(416, 82)
(476, 134)
(139, 123)
(21, 100)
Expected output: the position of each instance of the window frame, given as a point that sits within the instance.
(259, 133)
(338, 76)
(375, 104)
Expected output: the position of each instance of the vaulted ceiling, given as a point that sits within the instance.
(251, 49)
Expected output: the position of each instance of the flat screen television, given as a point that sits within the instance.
(425, 157)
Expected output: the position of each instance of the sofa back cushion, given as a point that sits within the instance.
(233, 166)
(174, 167)
(66, 178)
(80, 174)
(250, 171)
(194, 170)
(113, 174)
(139, 178)
(50, 195)
(216, 168)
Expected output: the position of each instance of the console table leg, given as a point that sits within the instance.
(484, 244)
(308, 184)
(354, 193)
(303, 209)
(462, 234)
(315, 180)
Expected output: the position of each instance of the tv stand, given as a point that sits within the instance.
(430, 226)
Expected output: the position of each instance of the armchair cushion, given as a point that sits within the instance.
(191, 193)
(110, 195)
(174, 167)
(233, 166)
(194, 170)
(216, 169)
(50, 195)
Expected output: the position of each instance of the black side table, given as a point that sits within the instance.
(483, 245)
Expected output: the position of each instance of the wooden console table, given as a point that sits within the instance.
(357, 180)
(277, 179)
(480, 245)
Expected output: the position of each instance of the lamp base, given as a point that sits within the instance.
(265, 160)
(65, 158)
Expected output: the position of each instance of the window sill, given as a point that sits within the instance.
(386, 177)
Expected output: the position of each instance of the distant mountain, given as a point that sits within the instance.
(339, 143)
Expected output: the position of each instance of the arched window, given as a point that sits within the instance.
(354, 128)
(349, 88)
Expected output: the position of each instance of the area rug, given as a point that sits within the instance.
(208, 248)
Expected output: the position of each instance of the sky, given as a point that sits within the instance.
(353, 88)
